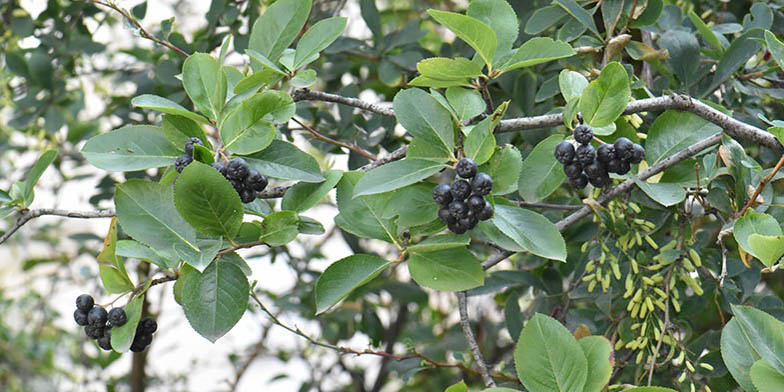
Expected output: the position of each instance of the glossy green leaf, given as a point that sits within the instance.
(304, 195)
(413, 205)
(571, 84)
(505, 167)
(424, 118)
(599, 354)
(317, 38)
(459, 387)
(396, 175)
(605, 98)
(579, 13)
(114, 280)
(208, 249)
(279, 228)
(442, 68)
(466, 103)
(543, 18)
(475, 33)
(536, 51)
(650, 389)
(765, 377)
(31, 178)
(208, 201)
(548, 358)
(682, 47)
(738, 354)
(122, 336)
(776, 48)
(264, 61)
(707, 34)
(344, 276)
(440, 242)
(764, 333)
(740, 50)
(285, 161)
(216, 299)
(497, 389)
(531, 231)
(137, 250)
(541, 174)
(278, 27)
(666, 194)
(651, 14)
(479, 144)
(363, 216)
(753, 222)
(164, 105)
(501, 17)
(768, 249)
(205, 83)
(133, 147)
(304, 78)
(179, 129)
(673, 131)
(248, 128)
(454, 269)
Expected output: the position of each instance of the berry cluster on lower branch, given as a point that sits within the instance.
(462, 203)
(98, 324)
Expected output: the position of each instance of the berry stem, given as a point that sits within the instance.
(353, 147)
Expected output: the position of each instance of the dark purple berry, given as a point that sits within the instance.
(623, 168)
(247, 196)
(80, 317)
(190, 143)
(564, 152)
(182, 161)
(476, 203)
(457, 228)
(638, 153)
(466, 168)
(446, 216)
(105, 341)
(84, 302)
(614, 166)
(585, 154)
(458, 209)
(94, 331)
(461, 189)
(255, 181)
(117, 317)
(219, 166)
(605, 153)
(599, 181)
(595, 169)
(579, 182)
(573, 169)
(583, 134)
(97, 316)
(482, 184)
(623, 148)
(442, 194)
(486, 213)
(237, 169)
(137, 347)
(469, 221)
(149, 325)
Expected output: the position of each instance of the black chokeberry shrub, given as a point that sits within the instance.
(573, 169)
(182, 161)
(623, 148)
(190, 143)
(595, 169)
(237, 169)
(458, 209)
(149, 325)
(461, 189)
(585, 154)
(583, 134)
(117, 317)
(84, 302)
(605, 153)
(466, 168)
(486, 212)
(482, 184)
(80, 317)
(476, 203)
(564, 152)
(442, 194)
(580, 181)
(255, 181)
(446, 216)
(637, 154)
(97, 316)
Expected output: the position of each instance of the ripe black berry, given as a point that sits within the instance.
(573, 169)
(237, 169)
(105, 341)
(93, 331)
(624, 168)
(638, 153)
(219, 166)
(117, 317)
(461, 189)
(564, 152)
(599, 181)
(189, 145)
(80, 317)
(486, 213)
(84, 302)
(255, 181)
(623, 148)
(482, 184)
(605, 153)
(458, 209)
(583, 134)
(579, 182)
(97, 316)
(476, 203)
(442, 194)
(595, 169)
(446, 216)
(468, 221)
(247, 196)
(182, 161)
(466, 168)
(457, 228)
(149, 325)
(585, 154)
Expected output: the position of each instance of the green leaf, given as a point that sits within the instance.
(303, 195)
(424, 81)
(208, 201)
(753, 222)
(214, 300)
(536, 51)
(599, 354)
(363, 216)
(707, 34)
(413, 205)
(764, 333)
(504, 167)
(475, 33)
(650, 389)
(776, 48)
(122, 336)
(649, 16)
(666, 194)
(541, 174)
(768, 249)
(543, 18)
(778, 132)
(304, 78)
(548, 358)
(161, 104)
(442, 68)
(344, 276)
(130, 148)
(673, 131)
(317, 38)
(201, 258)
(114, 280)
(579, 13)
(278, 27)
(285, 161)
(135, 249)
(248, 128)
(440, 242)
(31, 178)
(179, 129)
(396, 175)
(740, 50)
(372, 18)
(424, 118)
(309, 226)
(531, 231)
(497, 389)
(264, 61)
(467, 103)
(205, 83)
(146, 212)
(605, 98)
(738, 354)
(479, 144)
(571, 84)
(459, 387)
(501, 17)
(765, 377)
(454, 269)
(279, 228)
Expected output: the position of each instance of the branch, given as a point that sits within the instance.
(357, 149)
(142, 31)
(28, 215)
(240, 246)
(469, 335)
(550, 206)
(309, 95)
(762, 185)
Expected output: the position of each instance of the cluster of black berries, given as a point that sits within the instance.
(144, 331)
(246, 181)
(462, 203)
(186, 159)
(97, 322)
(586, 164)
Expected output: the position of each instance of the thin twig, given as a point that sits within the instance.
(357, 149)
(240, 246)
(28, 215)
(550, 206)
(309, 95)
(664, 330)
(497, 258)
(762, 185)
(465, 324)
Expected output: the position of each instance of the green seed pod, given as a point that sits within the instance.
(706, 366)
(695, 257)
(651, 242)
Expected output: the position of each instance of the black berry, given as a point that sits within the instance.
(446, 216)
(564, 152)
(255, 181)
(599, 181)
(149, 325)
(605, 153)
(247, 196)
(93, 331)
(457, 228)
(117, 317)
(466, 168)
(583, 134)
(97, 316)
(219, 166)
(486, 212)
(105, 341)
(623, 148)
(595, 169)
(579, 182)
(458, 209)
(190, 143)
(618, 166)
(585, 154)
(573, 169)
(624, 168)
(182, 161)
(482, 184)
(442, 194)
(80, 317)
(461, 189)
(84, 302)
(638, 153)
(476, 203)
(237, 169)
